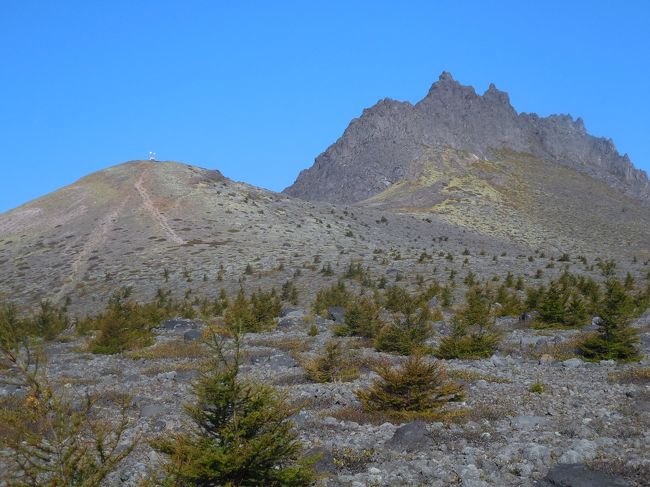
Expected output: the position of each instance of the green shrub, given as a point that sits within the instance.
(446, 297)
(290, 292)
(566, 301)
(124, 324)
(607, 267)
(241, 434)
(473, 334)
(255, 314)
(327, 270)
(49, 321)
(48, 437)
(219, 304)
(335, 295)
(12, 329)
(239, 315)
(397, 299)
(356, 271)
(265, 306)
(331, 365)
(406, 333)
(415, 389)
(615, 339)
(538, 387)
(509, 300)
(361, 318)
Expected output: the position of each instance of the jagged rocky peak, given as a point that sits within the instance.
(447, 86)
(380, 147)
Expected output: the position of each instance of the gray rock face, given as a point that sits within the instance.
(572, 363)
(177, 324)
(336, 314)
(576, 475)
(381, 147)
(192, 335)
(151, 410)
(411, 436)
(528, 422)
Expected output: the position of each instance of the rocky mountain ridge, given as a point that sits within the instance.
(380, 147)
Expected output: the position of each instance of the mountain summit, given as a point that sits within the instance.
(384, 145)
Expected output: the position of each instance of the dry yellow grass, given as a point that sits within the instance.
(472, 376)
(561, 351)
(636, 375)
(360, 416)
(292, 346)
(171, 349)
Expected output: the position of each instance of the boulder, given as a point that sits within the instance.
(324, 460)
(192, 335)
(410, 437)
(573, 363)
(178, 324)
(282, 360)
(151, 410)
(336, 314)
(291, 312)
(528, 422)
(577, 475)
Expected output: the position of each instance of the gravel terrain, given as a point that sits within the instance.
(509, 436)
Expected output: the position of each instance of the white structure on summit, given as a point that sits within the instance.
(152, 156)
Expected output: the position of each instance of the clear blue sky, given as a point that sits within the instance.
(258, 89)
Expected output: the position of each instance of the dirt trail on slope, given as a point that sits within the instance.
(96, 238)
(151, 208)
(99, 234)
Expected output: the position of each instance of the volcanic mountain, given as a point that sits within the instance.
(169, 225)
(392, 139)
(474, 161)
(456, 171)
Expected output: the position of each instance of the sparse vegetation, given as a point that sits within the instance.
(416, 389)
(124, 324)
(52, 437)
(255, 314)
(473, 334)
(332, 365)
(635, 375)
(336, 295)
(615, 339)
(241, 433)
(538, 387)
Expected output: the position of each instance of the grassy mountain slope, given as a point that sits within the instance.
(528, 200)
(129, 224)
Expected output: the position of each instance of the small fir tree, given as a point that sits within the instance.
(239, 314)
(615, 339)
(473, 334)
(553, 303)
(241, 433)
(331, 365)
(50, 437)
(361, 318)
(335, 295)
(417, 388)
(406, 333)
(122, 326)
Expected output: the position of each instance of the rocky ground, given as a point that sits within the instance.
(587, 417)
